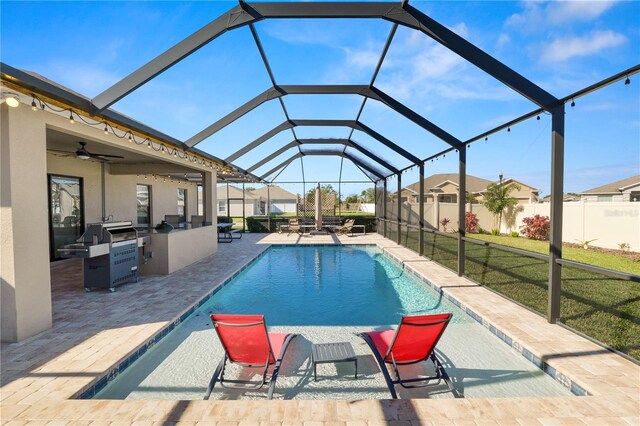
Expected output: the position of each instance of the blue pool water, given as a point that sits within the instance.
(327, 285)
(328, 294)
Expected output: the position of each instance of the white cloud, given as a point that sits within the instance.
(560, 12)
(503, 40)
(418, 67)
(538, 15)
(565, 48)
(84, 78)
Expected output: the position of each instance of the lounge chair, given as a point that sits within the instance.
(294, 226)
(246, 342)
(347, 227)
(414, 341)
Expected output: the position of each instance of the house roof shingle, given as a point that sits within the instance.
(474, 184)
(275, 193)
(613, 187)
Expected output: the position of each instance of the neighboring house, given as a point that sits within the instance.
(567, 198)
(233, 206)
(255, 201)
(625, 190)
(444, 188)
(282, 201)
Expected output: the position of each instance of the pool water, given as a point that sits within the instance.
(327, 285)
(328, 294)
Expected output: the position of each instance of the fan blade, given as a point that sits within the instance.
(60, 151)
(105, 155)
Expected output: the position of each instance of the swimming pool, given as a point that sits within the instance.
(327, 294)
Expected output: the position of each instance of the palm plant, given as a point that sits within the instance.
(498, 197)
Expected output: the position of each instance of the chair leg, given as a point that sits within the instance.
(381, 363)
(214, 378)
(443, 374)
(276, 368)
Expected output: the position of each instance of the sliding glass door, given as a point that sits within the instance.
(66, 212)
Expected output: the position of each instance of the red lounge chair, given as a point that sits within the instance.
(414, 341)
(246, 342)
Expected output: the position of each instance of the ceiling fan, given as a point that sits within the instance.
(83, 154)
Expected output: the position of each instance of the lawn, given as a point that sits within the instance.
(590, 256)
(604, 308)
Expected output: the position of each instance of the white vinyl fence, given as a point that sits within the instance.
(608, 224)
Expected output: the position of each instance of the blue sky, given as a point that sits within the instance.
(561, 46)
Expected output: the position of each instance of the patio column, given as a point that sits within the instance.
(399, 208)
(209, 197)
(244, 214)
(384, 208)
(269, 207)
(24, 225)
(555, 235)
(462, 199)
(421, 210)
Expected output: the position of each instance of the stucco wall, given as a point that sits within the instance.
(120, 196)
(24, 249)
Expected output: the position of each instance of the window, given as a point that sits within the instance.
(222, 206)
(200, 201)
(634, 196)
(448, 198)
(605, 198)
(143, 199)
(182, 204)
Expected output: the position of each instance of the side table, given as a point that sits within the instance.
(322, 353)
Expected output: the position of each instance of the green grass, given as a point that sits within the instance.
(590, 257)
(604, 308)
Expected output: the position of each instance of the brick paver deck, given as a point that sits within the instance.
(93, 331)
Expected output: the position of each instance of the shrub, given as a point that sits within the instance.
(470, 222)
(444, 222)
(515, 234)
(536, 227)
(224, 219)
(495, 232)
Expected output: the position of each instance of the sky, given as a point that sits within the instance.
(562, 46)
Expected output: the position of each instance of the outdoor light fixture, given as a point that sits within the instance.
(11, 99)
(508, 129)
(627, 81)
(130, 137)
(573, 103)
(33, 104)
(83, 156)
(538, 118)
(106, 131)
(71, 120)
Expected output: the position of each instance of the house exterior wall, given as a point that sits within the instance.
(120, 195)
(24, 237)
(235, 208)
(25, 293)
(283, 206)
(607, 198)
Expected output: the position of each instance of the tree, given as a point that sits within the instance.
(325, 190)
(368, 195)
(497, 198)
(249, 188)
(471, 198)
(353, 198)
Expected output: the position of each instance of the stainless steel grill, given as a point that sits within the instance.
(109, 252)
